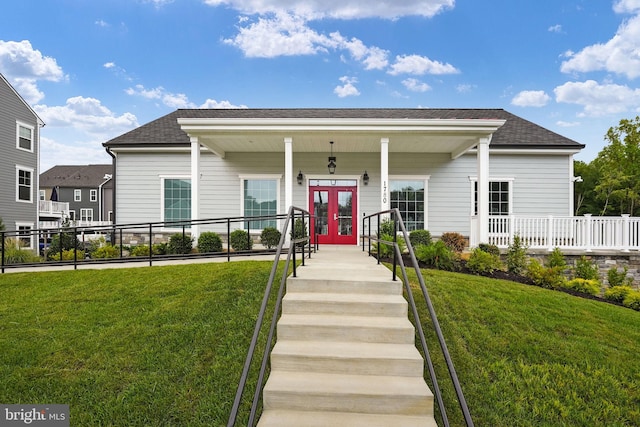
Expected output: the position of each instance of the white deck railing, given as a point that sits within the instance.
(58, 224)
(51, 208)
(586, 233)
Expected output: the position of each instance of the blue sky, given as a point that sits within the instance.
(94, 69)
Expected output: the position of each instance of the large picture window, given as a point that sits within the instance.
(260, 198)
(177, 199)
(408, 195)
(499, 197)
(24, 184)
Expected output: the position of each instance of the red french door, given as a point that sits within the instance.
(335, 220)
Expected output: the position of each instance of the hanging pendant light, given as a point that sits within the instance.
(332, 161)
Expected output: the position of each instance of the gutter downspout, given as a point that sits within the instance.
(113, 177)
(107, 178)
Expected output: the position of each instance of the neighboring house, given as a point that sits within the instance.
(447, 170)
(88, 189)
(19, 155)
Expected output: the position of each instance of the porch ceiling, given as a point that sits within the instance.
(361, 136)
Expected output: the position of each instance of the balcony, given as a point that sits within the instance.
(49, 208)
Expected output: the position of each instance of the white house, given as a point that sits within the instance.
(445, 169)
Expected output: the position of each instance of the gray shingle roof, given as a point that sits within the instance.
(515, 133)
(76, 176)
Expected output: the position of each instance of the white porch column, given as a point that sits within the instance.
(483, 190)
(195, 186)
(384, 174)
(288, 173)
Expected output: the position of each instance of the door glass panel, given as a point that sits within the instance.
(345, 221)
(321, 211)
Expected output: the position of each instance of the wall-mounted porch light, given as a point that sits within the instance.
(300, 178)
(332, 161)
(365, 178)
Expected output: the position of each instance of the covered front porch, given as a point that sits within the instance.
(355, 155)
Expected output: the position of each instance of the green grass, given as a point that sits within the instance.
(527, 356)
(166, 345)
(143, 346)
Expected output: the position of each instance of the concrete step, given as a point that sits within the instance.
(324, 327)
(344, 304)
(347, 358)
(283, 418)
(344, 285)
(373, 394)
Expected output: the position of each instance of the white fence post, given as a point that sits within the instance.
(587, 232)
(550, 233)
(625, 233)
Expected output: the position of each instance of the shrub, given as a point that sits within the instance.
(489, 248)
(632, 300)
(67, 255)
(65, 240)
(517, 256)
(546, 277)
(209, 241)
(586, 269)
(299, 231)
(270, 237)
(180, 244)
(419, 237)
(106, 251)
(387, 226)
(140, 250)
(556, 259)
(455, 241)
(160, 249)
(240, 241)
(483, 262)
(437, 255)
(587, 286)
(618, 278)
(617, 293)
(385, 250)
(14, 253)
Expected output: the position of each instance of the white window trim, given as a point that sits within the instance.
(31, 237)
(85, 217)
(24, 125)
(77, 195)
(510, 180)
(162, 179)
(276, 177)
(72, 215)
(93, 195)
(26, 169)
(424, 178)
(43, 195)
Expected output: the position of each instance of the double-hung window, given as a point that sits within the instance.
(176, 199)
(24, 137)
(24, 184)
(25, 235)
(408, 195)
(260, 195)
(93, 195)
(77, 195)
(86, 214)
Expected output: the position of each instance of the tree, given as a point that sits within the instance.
(585, 200)
(619, 167)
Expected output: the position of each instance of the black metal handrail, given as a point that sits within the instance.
(115, 235)
(394, 215)
(291, 255)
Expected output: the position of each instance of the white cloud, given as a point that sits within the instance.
(102, 23)
(79, 153)
(419, 65)
(531, 98)
(599, 99)
(415, 85)
(23, 66)
(627, 6)
(619, 55)
(87, 115)
(176, 100)
(555, 28)
(341, 9)
(348, 88)
(564, 124)
(465, 88)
